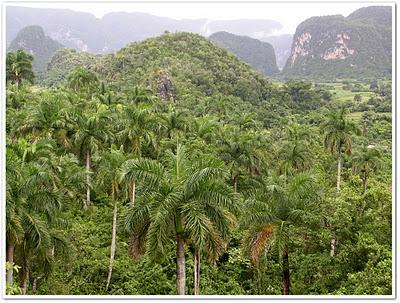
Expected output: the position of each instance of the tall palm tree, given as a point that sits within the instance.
(183, 203)
(83, 80)
(139, 94)
(271, 214)
(19, 67)
(294, 158)
(35, 195)
(108, 176)
(243, 153)
(136, 130)
(173, 123)
(91, 132)
(14, 227)
(365, 161)
(338, 132)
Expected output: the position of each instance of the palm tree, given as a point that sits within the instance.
(47, 118)
(91, 132)
(294, 157)
(19, 67)
(366, 160)
(14, 228)
(139, 94)
(108, 175)
(184, 202)
(242, 152)
(271, 214)
(338, 131)
(136, 129)
(82, 80)
(34, 199)
(173, 123)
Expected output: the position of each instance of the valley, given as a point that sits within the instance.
(170, 162)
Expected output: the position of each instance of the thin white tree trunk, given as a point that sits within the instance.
(10, 258)
(113, 243)
(88, 177)
(196, 272)
(333, 247)
(133, 193)
(180, 265)
(339, 170)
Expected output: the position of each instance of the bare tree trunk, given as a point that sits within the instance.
(25, 281)
(196, 272)
(133, 193)
(180, 265)
(333, 247)
(234, 179)
(10, 258)
(113, 239)
(88, 177)
(286, 273)
(339, 170)
(35, 284)
(364, 181)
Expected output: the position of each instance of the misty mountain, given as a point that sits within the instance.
(281, 44)
(33, 40)
(259, 55)
(85, 32)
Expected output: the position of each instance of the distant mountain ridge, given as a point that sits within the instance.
(343, 47)
(260, 55)
(85, 32)
(33, 40)
(281, 45)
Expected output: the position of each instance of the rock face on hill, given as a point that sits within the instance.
(259, 55)
(33, 40)
(343, 47)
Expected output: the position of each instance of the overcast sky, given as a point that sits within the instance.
(288, 14)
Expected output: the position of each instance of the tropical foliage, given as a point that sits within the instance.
(228, 187)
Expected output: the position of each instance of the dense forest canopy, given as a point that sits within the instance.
(171, 167)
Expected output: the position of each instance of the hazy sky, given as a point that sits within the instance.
(288, 14)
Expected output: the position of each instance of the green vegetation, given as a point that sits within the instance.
(19, 67)
(171, 167)
(260, 55)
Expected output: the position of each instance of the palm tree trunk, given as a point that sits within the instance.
(333, 247)
(180, 265)
(339, 170)
(364, 181)
(35, 284)
(25, 280)
(10, 258)
(234, 179)
(196, 272)
(133, 193)
(88, 177)
(113, 237)
(286, 273)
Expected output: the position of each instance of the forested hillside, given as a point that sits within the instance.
(172, 167)
(260, 55)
